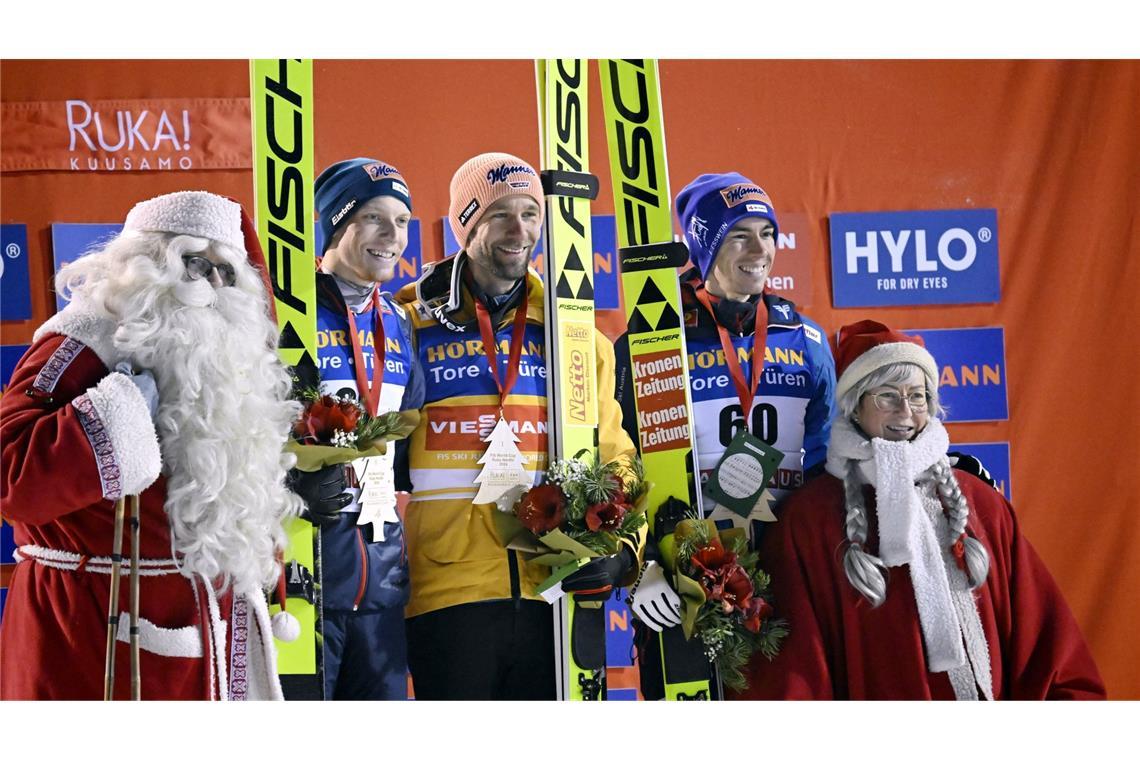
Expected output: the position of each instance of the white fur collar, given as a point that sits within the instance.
(79, 321)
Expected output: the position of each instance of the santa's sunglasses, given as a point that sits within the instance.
(200, 268)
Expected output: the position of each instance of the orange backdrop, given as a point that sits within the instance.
(1053, 146)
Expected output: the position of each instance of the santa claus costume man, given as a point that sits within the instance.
(159, 378)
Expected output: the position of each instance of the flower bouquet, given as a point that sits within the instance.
(582, 509)
(724, 594)
(333, 430)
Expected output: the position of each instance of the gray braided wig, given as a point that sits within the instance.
(866, 572)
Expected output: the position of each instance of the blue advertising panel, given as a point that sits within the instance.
(9, 357)
(995, 458)
(69, 241)
(408, 269)
(908, 258)
(972, 379)
(15, 282)
(603, 232)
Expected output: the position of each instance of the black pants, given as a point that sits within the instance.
(485, 650)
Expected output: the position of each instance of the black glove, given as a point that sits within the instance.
(599, 576)
(323, 492)
(972, 465)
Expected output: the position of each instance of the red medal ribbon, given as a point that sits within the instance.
(759, 346)
(515, 356)
(369, 394)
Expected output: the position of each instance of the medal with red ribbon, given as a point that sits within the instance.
(739, 479)
(504, 475)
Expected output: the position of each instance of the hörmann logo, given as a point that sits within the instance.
(579, 391)
(286, 200)
(340, 214)
(379, 171)
(636, 153)
(502, 171)
(737, 194)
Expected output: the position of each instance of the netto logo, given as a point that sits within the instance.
(502, 171)
(737, 194)
(379, 171)
(579, 391)
(340, 214)
(465, 215)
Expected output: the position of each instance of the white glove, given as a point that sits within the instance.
(654, 601)
(144, 381)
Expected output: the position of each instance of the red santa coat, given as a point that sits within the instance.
(839, 647)
(76, 437)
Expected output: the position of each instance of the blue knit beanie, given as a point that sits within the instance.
(348, 184)
(708, 207)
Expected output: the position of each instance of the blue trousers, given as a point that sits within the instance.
(366, 654)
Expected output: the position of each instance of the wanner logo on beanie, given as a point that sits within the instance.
(502, 171)
(737, 194)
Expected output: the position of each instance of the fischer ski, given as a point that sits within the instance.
(650, 257)
(281, 113)
(572, 402)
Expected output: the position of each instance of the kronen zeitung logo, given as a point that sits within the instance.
(139, 140)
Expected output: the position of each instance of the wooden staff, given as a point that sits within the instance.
(136, 678)
(113, 604)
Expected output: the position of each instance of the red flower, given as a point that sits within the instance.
(722, 577)
(324, 417)
(618, 496)
(605, 515)
(737, 589)
(757, 612)
(541, 509)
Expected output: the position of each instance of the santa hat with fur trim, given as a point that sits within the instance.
(204, 215)
(866, 346)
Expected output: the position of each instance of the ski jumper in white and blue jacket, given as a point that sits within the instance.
(365, 582)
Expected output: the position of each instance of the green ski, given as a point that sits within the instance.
(650, 258)
(281, 106)
(572, 403)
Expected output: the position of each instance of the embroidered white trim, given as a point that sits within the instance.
(239, 650)
(56, 365)
(166, 642)
(263, 681)
(218, 629)
(65, 560)
(125, 421)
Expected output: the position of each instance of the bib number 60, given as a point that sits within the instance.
(763, 424)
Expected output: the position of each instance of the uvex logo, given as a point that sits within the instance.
(579, 392)
(502, 171)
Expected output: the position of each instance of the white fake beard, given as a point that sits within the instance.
(223, 419)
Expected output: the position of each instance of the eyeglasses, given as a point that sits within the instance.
(200, 268)
(892, 401)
